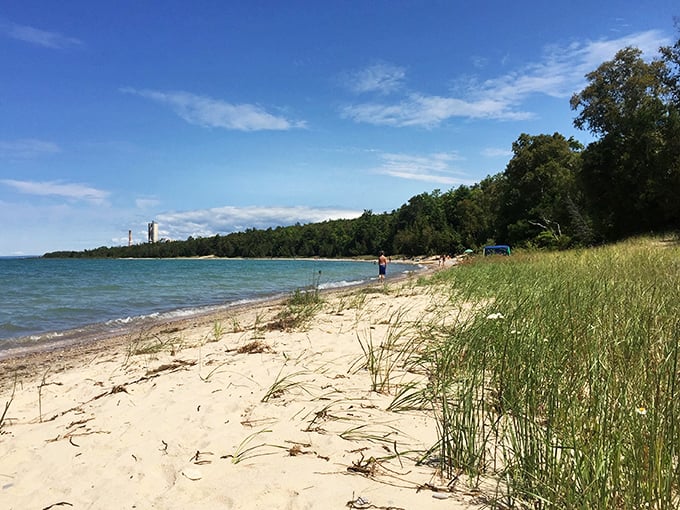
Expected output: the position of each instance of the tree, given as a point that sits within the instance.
(671, 157)
(367, 237)
(472, 212)
(538, 183)
(670, 55)
(421, 226)
(630, 175)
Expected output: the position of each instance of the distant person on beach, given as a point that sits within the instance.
(382, 266)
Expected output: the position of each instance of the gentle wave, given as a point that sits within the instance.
(48, 300)
(341, 284)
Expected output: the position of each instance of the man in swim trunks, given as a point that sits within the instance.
(382, 266)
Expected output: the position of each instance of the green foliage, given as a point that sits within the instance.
(539, 180)
(421, 226)
(631, 174)
(472, 213)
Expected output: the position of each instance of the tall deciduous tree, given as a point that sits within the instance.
(670, 56)
(538, 187)
(629, 175)
(671, 157)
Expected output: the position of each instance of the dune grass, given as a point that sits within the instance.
(563, 386)
(383, 357)
(300, 308)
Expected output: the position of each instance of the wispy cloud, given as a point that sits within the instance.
(216, 113)
(479, 62)
(562, 70)
(224, 220)
(433, 168)
(26, 148)
(558, 74)
(38, 37)
(382, 78)
(146, 202)
(430, 111)
(72, 191)
(492, 152)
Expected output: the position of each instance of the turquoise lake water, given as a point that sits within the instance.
(44, 300)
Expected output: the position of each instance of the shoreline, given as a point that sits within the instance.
(23, 359)
(27, 345)
(257, 416)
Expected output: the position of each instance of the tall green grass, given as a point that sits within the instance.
(564, 386)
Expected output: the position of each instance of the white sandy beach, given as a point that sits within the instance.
(187, 416)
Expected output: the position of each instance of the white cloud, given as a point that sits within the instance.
(224, 220)
(52, 40)
(146, 202)
(208, 112)
(434, 168)
(562, 70)
(383, 78)
(26, 148)
(559, 74)
(492, 152)
(430, 111)
(73, 191)
(596, 52)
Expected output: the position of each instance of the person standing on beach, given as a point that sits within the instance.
(382, 266)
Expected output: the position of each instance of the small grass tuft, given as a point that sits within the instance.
(217, 331)
(301, 307)
(152, 343)
(284, 383)
(246, 450)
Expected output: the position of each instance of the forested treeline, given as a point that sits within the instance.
(553, 193)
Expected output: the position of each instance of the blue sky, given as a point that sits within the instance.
(216, 116)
